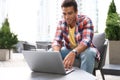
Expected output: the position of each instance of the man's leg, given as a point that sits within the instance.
(88, 59)
(64, 51)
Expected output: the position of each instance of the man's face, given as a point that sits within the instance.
(69, 15)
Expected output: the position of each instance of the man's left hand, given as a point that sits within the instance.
(69, 60)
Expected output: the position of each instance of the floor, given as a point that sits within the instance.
(20, 62)
(107, 77)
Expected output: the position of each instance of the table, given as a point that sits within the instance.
(23, 72)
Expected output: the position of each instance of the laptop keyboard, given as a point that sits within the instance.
(69, 70)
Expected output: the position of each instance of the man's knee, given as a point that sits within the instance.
(88, 59)
(89, 53)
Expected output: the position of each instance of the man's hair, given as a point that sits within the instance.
(69, 3)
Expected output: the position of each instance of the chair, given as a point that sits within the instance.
(101, 44)
(24, 45)
(43, 45)
(19, 46)
(28, 46)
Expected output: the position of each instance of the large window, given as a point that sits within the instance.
(23, 18)
(36, 20)
(50, 13)
(3, 10)
(89, 8)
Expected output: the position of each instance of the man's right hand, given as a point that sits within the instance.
(69, 60)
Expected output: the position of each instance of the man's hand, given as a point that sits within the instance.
(69, 60)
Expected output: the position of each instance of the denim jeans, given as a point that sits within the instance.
(87, 58)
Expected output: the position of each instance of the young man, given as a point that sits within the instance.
(76, 32)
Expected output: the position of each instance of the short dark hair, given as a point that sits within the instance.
(69, 3)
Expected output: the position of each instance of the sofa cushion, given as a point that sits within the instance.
(98, 41)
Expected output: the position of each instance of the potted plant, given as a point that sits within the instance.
(7, 40)
(113, 33)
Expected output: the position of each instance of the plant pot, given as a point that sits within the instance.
(4, 54)
(114, 52)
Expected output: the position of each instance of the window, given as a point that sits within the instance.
(50, 13)
(36, 20)
(89, 8)
(3, 11)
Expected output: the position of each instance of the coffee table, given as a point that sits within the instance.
(23, 72)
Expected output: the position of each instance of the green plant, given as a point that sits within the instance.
(112, 23)
(7, 38)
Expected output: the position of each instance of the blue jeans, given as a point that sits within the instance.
(87, 58)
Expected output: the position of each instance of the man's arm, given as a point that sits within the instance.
(80, 48)
(57, 42)
(69, 59)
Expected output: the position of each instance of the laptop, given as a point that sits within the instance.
(44, 61)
